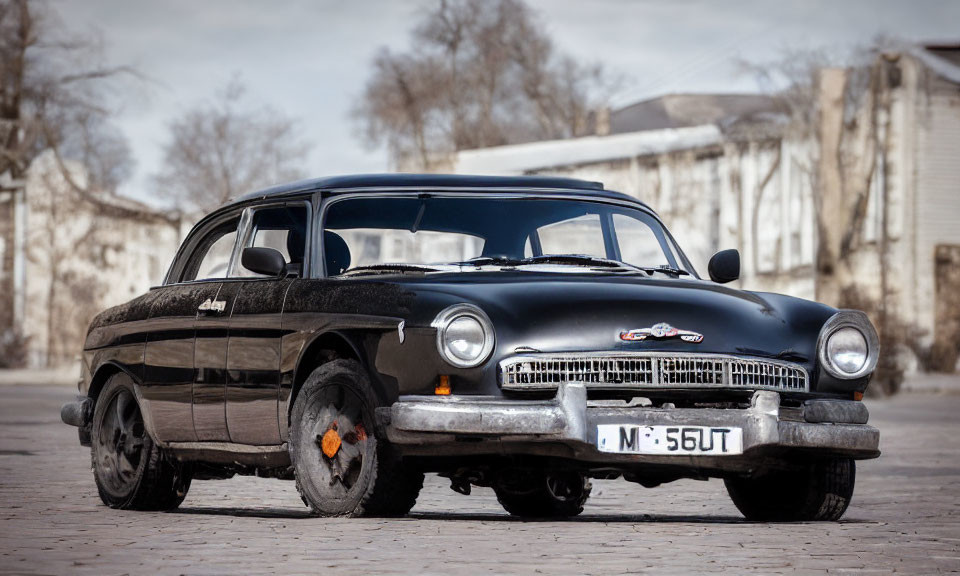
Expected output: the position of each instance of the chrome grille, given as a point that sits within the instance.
(650, 370)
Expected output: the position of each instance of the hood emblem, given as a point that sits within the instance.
(661, 331)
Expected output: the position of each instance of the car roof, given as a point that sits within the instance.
(378, 182)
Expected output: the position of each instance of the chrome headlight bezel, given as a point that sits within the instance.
(848, 319)
(447, 316)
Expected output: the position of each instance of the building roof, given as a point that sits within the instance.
(651, 127)
(376, 182)
(941, 58)
(684, 110)
(520, 158)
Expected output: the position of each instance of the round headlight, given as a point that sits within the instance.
(464, 335)
(848, 345)
(847, 349)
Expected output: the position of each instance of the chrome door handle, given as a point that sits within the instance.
(215, 306)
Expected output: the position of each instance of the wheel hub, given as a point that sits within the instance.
(340, 436)
(330, 442)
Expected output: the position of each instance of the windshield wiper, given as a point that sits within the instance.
(665, 269)
(583, 260)
(578, 260)
(389, 269)
(574, 260)
(491, 261)
(568, 259)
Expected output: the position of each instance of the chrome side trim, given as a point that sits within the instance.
(228, 447)
(651, 370)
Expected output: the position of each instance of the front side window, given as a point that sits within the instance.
(380, 233)
(282, 228)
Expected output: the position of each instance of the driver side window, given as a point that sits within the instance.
(281, 228)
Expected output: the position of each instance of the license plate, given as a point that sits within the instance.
(676, 440)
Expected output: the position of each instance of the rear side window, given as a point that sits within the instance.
(211, 257)
(282, 228)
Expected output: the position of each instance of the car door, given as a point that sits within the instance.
(170, 367)
(256, 329)
(210, 367)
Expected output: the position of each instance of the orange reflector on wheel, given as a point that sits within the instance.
(443, 386)
(858, 396)
(330, 443)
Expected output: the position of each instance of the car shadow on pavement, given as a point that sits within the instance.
(586, 518)
(287, 513)
(291, 514)
(265, 513)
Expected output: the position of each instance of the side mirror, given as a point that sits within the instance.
(724, 266)
(266, 261)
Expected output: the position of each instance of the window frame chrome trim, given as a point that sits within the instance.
(245, 237)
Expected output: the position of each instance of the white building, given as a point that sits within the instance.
(730, 171)
(68, 253)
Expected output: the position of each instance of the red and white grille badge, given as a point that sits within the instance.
(661, 331)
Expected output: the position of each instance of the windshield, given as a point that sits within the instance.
(422, 233)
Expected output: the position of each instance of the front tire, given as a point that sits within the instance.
(543, 493)
(131, 471)
(342, 467)
(820, 491)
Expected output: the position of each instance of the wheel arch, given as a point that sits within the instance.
(323, 348)
(102, 374)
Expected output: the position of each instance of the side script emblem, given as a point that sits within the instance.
(661, 331)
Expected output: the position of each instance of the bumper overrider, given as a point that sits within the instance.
(567, 426)
(79, 413)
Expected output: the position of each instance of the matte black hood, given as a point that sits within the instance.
(573, 312)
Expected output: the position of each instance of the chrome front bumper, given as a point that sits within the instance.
(568, 423)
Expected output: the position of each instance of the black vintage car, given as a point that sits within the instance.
(527, 334)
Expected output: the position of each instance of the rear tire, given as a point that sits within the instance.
(821, 491)
(334, 414)
(543, 493)
(131, 471)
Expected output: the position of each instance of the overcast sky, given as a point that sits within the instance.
(311, 59)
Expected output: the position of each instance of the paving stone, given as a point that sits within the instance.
(905, 517)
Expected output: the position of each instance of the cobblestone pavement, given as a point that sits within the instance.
(905, 517)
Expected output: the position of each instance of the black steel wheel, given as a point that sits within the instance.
(819, 491)
(542, 493)
(130, 470)
(120, 441)
(342, 467)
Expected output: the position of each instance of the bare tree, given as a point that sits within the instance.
(54, 94)
(55, 90)
(842, 108)
(219, 150)
(61, 235)
(482, 73)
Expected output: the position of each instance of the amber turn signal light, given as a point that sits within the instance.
(858, 396)
(443, 386)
